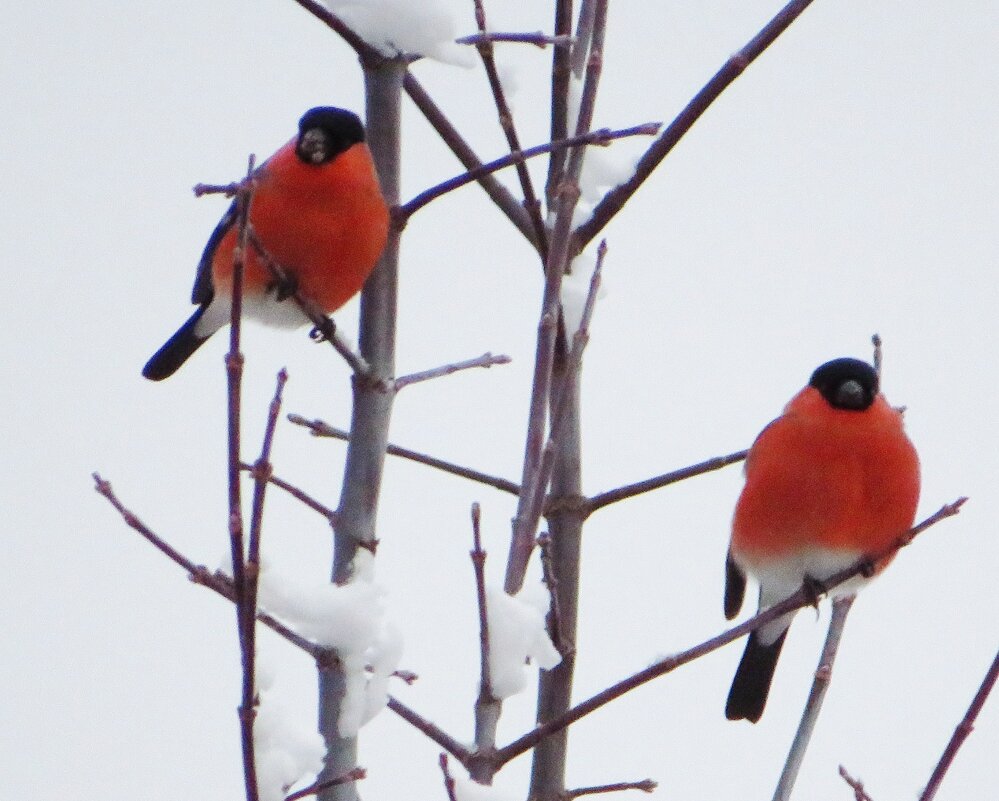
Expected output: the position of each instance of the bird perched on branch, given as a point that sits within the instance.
(832, 480)
(317, 211)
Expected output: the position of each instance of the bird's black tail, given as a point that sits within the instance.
(751, 684)
(176, 351)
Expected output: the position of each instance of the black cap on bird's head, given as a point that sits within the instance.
(846, 384)
(326, 132)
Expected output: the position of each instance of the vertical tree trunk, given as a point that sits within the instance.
(372, 409)
(565, 526)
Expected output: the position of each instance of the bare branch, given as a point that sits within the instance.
(645, 785)
(199, 574)
(486, 705)
(531, 202)
(431, 730)
(615, 199)
(295, 492)
(448, 778)
(878, 354)
(649, 484)
(602, 137)
(498, 193)
(561, 72)
(803, 597)
(369, 55)
(325, 329)
(573, 361)
(538, 38)
(314, 789)
(522, 539)
(859, 794)
(486, 360)
(810, 715)
(321, 429)
(964, 728)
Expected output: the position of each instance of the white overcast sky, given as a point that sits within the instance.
(845, 184)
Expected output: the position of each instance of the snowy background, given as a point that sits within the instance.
(844, 185)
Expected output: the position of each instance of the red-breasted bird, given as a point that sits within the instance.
(830, 481)
(317, 209)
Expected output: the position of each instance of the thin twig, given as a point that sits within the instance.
(314, 789)
(615, 199)
(368, 54)
(561, 72)
(448, 778)
(499, 194)
(539, 39)
(325, 328)
(630, 490)
(522, 539)
(878, 353)
(296, 493)
(199, 574)
(645, 785)
(964, 728)
(244, 573)
(558, 411)
(486, 711)
(531, 202)
(247, 608)
(431, 730)
(859, 794)
(803, 597)
(810, 716)
(602, 137)
(486, 360)
(321, 429)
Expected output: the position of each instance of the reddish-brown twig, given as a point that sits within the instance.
(486, 706)
(314, 789)
(859, 794)
(296, 493)
(431, 730)
(486, 360)
(199, 574)
(601, 137)
(522, 538)
(964, 728)
(498, 193)
(558, 409)
(630, 490)
(803, 597)
(448, 778)
(615, 199)
(321, 429)
(531, 202)
(645, 785)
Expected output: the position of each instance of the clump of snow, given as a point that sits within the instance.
(516, 634)
(576, 288)
(349, 618)
(427, 28)
(284, 753)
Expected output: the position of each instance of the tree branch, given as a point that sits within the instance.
(630, 490)
(964, 728)
(321, 429)
(615, 199)
(823, 675)
(601, 137)
(486, 360)
(803, 597)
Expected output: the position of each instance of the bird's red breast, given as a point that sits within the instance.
(823, 478)
(325, 224)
